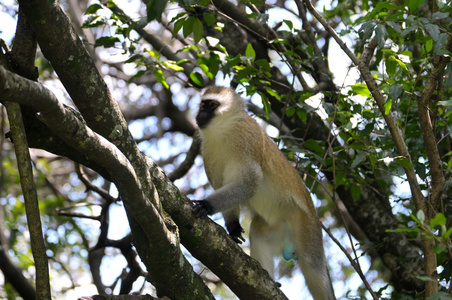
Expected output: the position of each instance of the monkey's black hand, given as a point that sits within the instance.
(235, 231)
(202, 208)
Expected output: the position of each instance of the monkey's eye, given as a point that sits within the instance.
(210, 104)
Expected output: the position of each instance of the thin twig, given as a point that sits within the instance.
(355, 264)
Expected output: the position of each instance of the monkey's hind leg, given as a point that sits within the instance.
(265, 243)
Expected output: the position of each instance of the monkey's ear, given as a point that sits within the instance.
(202, 208)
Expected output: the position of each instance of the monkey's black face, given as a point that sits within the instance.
(206, 112)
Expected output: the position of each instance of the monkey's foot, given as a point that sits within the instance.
(235, 231)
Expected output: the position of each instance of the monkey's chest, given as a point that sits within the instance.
(218, 159)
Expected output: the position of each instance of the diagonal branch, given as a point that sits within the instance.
(158, 242)
(396, 134)
(160, 250)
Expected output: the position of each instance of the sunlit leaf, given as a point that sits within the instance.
(249, 52)
(160, 78)
(361, 89)
(197, 79)
(387, 106)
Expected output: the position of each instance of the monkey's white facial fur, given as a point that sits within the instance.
(217, 101)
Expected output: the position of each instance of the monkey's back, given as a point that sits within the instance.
(290, 192)
(235, 140)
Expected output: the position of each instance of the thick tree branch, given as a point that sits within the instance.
(202, 237)
(241, 273)
(161, 254)
(46, 19)
(64, 49)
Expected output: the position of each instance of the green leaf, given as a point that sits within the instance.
(197, 79)
(355, 190)
(391, 65)
(440, 43)
(209, 19)
(404, 162)
(361, 89)
(188, 26)
(438, 220)
(387, 106)
(448, 233)
(92, 9)
(439, 15)
(106, 41)
(445, 103)
(267, 105)
(170, 64)
(395, 91)
(381, 34)
(160, 78)
(289, 24)
(413, 4)
(408, 30)
(448, 73)
(138, 74)
(273, 93)
(429, 45)
(359, 159)
(314, 146)
(155, 9)
(249, 52)
(198, 30)
(178, 25)
(433, 31)
(302, 115)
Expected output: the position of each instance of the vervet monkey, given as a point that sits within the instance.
(245, 167)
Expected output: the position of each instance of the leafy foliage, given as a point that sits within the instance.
(330, 124)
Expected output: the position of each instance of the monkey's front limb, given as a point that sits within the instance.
(203, 208)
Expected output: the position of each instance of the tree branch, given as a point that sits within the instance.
(417, 196)
(151, 235)
(22, 60)
(396, 134)
(31, 201)
(434, 158)
(189, 160)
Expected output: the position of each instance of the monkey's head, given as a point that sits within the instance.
(216, 102)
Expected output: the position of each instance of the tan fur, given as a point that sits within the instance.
(236, 149)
